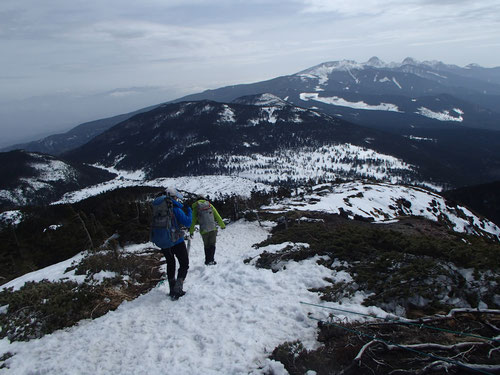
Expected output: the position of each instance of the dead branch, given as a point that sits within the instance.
(364, 348)
(492, 350)
(492, 326)
(445, 366)
(439, 364)
(472, 311)
(433, 346)
(86, 230)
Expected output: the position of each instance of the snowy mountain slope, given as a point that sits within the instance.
(380, 202)
(32, 178)
(323, 163)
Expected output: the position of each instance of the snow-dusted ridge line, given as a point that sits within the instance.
(326, 68)
(322, 71)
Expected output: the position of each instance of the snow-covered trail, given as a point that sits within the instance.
(231, 318)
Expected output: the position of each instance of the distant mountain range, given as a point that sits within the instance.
(410, 98)
(58, 143)
(401, 97)
(405, 122)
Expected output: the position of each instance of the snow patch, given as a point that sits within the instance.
(269, 114)
(54, 170)
(227, 115)
(335, 100)
(137, 175)
(396, 82)
(415, 138)
(11, 217)
(53, 273)
(205, 142)
(441, 116)
(437, 75)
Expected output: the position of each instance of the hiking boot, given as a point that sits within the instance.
(177, 292)
(211, 263)
(171, 284)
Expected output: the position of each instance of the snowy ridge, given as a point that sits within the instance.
(322, 72)
(382, 202)
(326, 162)
(205, 185)
(375, 62)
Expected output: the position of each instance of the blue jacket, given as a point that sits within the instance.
(158, 234)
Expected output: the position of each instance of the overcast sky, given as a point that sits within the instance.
(63, 62)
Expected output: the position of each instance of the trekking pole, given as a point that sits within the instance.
(188, 247)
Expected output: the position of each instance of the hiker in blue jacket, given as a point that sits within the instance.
(166, 233)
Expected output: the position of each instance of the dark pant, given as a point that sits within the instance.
(209, 245)
(178, 251)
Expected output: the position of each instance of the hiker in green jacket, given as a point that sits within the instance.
(205, 215)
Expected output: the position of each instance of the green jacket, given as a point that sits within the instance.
(217, 217)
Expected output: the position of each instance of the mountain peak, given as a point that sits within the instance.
(262, 100)
(473, 66)
(410, 61)
(375, 62)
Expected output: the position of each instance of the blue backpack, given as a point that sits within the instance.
(165, 231)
